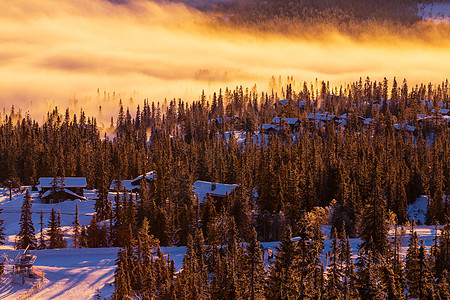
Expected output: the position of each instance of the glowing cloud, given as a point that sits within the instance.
(61, 52)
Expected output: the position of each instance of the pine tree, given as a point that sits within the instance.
(41, 245)
(255, 270)
(374, 225)
(347, 266)
(282, 271)
(368, 275)
(76, 229)
(425, 286)
(26, 234)
(122, 284)
(194, 276)
(334, 274)
(94, 238)
(161, 275)
(56, 237)
(412, 265)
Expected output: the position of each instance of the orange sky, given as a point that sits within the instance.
(55, 51)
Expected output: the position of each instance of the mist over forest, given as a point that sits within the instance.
(278, 149)
(76, 55)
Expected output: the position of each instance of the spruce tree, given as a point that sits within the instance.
(374, 224)
(56, 238)
(93, 235)
(412, 266)
(26, 234)
(425, 277)
(281, 282)
(334, 271)
(347, 266)
(76, 237)
(41, 245)
(122, 283)
(194, 277)
(255, 270)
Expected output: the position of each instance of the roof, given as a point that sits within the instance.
(283, 102)
(126, 184)
(322, 117)
(290, 121)
(268, 126)
(150, 176)
(49, 192)
(404, 127)
(69, 182)
(201, 188)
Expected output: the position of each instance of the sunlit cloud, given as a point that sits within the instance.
(61, 52)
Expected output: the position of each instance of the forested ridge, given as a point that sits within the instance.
(367, 171)
(367, 20)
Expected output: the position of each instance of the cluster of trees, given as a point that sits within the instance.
(52, 235)
(230, 269)
(280, 175)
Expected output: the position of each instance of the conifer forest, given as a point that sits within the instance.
(309, 160)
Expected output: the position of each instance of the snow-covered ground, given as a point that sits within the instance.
(85, 273)
(437, 12)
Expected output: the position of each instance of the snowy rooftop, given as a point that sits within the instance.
(126, 184)
(290, 121)
(404, 127)
(268, 126)
(150, 176)
(285, 101)
(47, 193)
(201, 188)
(69, 182)
(322, 117)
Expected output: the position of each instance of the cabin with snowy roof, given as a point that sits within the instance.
(293, 123)
(281, 124)
(147, 178)
(123, 186)
(58, 189)
(217, 191)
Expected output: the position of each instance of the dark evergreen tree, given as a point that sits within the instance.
(55, 236)
(42, 244)
(425, 277)
(26, 234)
(283, 275)
(412, 267)
(254, 269)
(76, 235)
(334, 271)
(374, 224)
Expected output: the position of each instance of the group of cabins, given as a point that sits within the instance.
(318, 119)
(282, 125)
(54, 190)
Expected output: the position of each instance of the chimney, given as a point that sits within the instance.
(213, 187)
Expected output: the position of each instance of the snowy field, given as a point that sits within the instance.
(86, 273)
